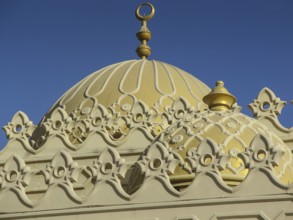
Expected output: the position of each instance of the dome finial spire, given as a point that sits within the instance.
(144, 34)
(219, 99)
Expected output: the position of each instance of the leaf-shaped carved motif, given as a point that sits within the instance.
(19, 127)
(109, 166)
(15, 174)
(62, 170)
(206, 157)
(267, 104)
(262, 153)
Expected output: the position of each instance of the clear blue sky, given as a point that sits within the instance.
(47, 46)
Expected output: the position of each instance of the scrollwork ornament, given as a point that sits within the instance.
(118, 128)
(180, 111)
(267, 104)
(207, 157)
(62, 170)
(20, 127)
(158, 161)
(116, 121)
(78, 131)
(98, 118)
(108, 167)
(262, 154)
(177, 139)
(57, 123)
(139, 113)
(84, 110)
(14, 174)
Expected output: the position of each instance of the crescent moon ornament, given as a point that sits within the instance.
(145, 17)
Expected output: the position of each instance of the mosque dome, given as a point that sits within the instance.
(119, 100)
(153, 83)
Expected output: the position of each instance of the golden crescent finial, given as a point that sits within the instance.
(144, 34)
(145, 17)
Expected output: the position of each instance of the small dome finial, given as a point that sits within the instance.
(219, 99)
(144, 34)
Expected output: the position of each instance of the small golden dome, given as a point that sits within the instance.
(235, 135)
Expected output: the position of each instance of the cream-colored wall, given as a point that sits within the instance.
(258, 208)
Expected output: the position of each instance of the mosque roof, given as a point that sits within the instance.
(141, 128)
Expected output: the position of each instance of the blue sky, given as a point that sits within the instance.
(47, 46)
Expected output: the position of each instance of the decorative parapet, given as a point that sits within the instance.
(207, 146)
(115, 124)
(266, 108)
(66, 178)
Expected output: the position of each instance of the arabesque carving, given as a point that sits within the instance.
(262, 154)
(266, 108)
(14, 174)
(114, 123)
(20, 128)
(207, 157)
(62, 170)
(267, 104)
(109, 167)
(157, 163)
(187, 147)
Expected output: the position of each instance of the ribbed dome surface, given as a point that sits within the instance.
(152, 82)
(245, 143)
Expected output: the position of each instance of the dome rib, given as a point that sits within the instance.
(186, 81)
(105, 83)
(171, 79)
(121, 84)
